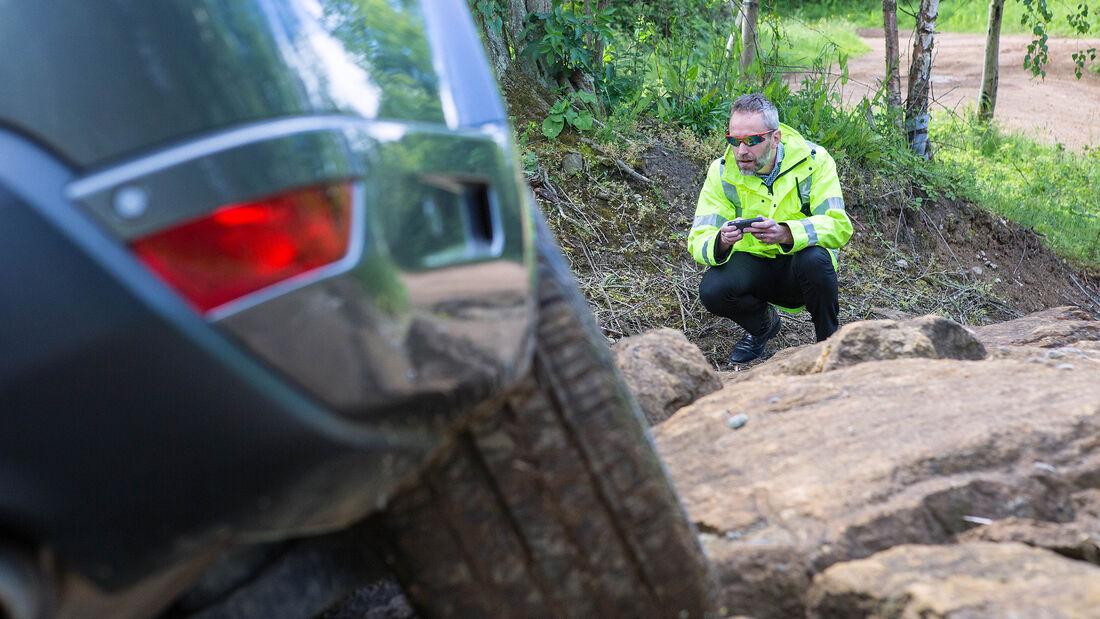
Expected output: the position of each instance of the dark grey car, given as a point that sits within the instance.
(274, 302)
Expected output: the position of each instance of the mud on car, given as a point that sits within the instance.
(279, 316)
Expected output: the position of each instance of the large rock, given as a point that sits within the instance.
(927, 337)
(1050, 328)
(665, 371)
(1079, 539)
(967, 580)
(835, 465)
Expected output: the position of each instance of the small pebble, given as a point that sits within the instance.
(902, 263)
(1066, 366)
(737, 421)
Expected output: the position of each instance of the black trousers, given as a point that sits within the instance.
(741, 289)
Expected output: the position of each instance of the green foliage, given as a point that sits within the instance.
(566, 40)
(491, 15)
(563, 112)
(1037, 15)
(804, 41)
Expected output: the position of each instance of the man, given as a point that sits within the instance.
(788, 257)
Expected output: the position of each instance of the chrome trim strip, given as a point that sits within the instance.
(225, 140)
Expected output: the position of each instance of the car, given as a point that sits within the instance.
(279, 318)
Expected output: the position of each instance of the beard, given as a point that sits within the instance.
(752, 167)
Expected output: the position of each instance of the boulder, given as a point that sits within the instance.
(926, 337)
(1050, 328)
(1078, 539)
(862, 450)
(665, 371)
(965, 580)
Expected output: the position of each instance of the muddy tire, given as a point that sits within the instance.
(555, 503)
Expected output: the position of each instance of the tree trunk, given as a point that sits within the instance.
(920, 73)
(893, 59)
(735, 10)
(987, 100)
(750, 8)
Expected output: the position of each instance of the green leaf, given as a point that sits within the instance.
(583, 121)
(587, 97)
(559, 107)
(692, 73)
(552, 126)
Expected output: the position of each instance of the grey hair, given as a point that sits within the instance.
(758, 103)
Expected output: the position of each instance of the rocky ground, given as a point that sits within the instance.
(901, 468)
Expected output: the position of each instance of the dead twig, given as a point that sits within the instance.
(1083, 291)
(1022, 254)
(606, 297)
(940, 234)
(618, 163)
(897, 230)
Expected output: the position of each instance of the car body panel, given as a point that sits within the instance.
(139, 432)
(152, 73)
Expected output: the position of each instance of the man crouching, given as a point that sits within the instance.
(787, 256)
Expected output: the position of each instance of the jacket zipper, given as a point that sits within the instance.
(780, 175)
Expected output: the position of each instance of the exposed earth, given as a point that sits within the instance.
(1057, 109)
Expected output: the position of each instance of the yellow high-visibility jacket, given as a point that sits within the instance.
(805, 195)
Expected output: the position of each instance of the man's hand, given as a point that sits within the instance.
(770, 231)
(728, 234)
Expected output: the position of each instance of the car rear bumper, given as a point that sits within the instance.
(138, 432)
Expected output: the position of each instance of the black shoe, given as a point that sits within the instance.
(750, 347)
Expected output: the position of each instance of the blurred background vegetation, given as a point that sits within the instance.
(675, 62)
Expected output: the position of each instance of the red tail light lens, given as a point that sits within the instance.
(242, 248)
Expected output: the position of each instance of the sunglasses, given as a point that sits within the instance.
(748, 140)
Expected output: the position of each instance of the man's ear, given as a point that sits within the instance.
(778, 135)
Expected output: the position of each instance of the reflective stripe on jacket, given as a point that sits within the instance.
(805, 195)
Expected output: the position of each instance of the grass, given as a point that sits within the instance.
(1050, 189)
(954, 16)
(804, 42)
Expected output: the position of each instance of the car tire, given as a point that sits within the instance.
(555, 503)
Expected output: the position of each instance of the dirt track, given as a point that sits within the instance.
(1057, 109)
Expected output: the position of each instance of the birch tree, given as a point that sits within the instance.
(920, 74)
(987, 100)
(750, 10)
(893, 60)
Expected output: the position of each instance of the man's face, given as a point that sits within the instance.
(757, 159)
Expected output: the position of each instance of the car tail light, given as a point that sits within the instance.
(242, 248)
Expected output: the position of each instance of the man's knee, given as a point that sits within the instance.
(815, 262)
(713, 294)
